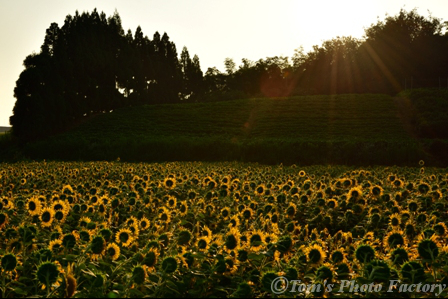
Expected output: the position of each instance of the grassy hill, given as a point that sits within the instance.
(341, 129)
(313, 118)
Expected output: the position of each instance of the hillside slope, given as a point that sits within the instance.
(342, 129)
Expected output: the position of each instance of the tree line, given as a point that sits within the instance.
(90, 66)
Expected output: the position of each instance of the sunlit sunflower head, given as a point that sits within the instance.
(203, 243)
(60, 211)
(132, 220)
(232, 239)
(151, 257)
(440, 229)
(270, 238)
(255, 239)
(395, 220)
(67, 189)
(315, 254)
(183, 208)
(225, 213)
(34, 206)
(291, 210)
(144, 223)
(171, 202)
(234, 221)
(260, 189)
(169, 183)
(124, 237)
(397, 183)
(55, 246)
(46, 217)
(376, 191)
(423, 188)
(164, 215)
(112, 251)
(3, 219)
(338, 256)
(332, 203)
(247, 214)
(354, 194)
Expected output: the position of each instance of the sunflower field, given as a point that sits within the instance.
(191, 229)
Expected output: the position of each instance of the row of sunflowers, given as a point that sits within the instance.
(112, 229)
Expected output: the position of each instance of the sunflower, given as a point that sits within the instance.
(399, 256)
(338, 256)
(225, 213)
(70, 282)
(394, 239)
(291, 210)
(315, 254)
(232, 239)
(234, 221)
(3, 219)
(164, 215)
(7, 203)
(428, 248)
(144, 223)
(395, 220)
(171, 202)
(84, 221)
(255, 239)
(332, 203)
(9, 262)
(67, 189)
(124, 237)
(150, 259)
(354, 194)
(260, 189)
(184, 237)
(169, 183)
(112, 251)
(203, 243)
(364, 253)
(247, 214)
(131, 221)
(55, 246)
(183, 208)
(33, 206)
(440, 229)
(376, 191)
(46, 217)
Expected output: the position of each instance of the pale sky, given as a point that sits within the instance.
(212, 29)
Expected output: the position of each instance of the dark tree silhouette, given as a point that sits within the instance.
(90, 66)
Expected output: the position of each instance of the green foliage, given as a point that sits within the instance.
(83, 255)
(343, 129)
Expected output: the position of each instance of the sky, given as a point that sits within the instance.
(214, 30)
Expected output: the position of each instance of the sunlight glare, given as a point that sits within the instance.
(324, 20)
